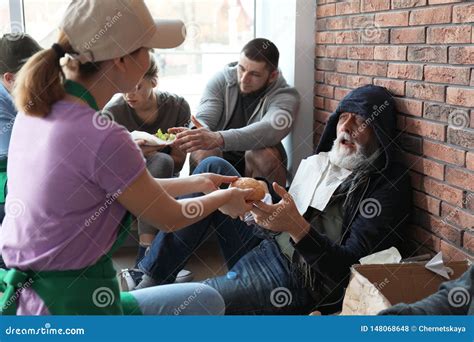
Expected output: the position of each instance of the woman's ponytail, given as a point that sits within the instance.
(39, 83)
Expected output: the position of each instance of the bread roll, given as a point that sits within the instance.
(250, 183)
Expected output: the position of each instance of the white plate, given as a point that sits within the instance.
(151, 140)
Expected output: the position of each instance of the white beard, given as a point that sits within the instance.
(345, 158)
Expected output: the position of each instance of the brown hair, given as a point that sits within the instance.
(152, 72)
(39, 83)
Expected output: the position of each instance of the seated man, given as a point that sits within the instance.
(149, 109)
(14, 52)
(351, 203)
(246, 110)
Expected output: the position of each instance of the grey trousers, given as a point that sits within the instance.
(160, 165)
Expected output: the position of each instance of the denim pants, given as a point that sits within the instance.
(264, 281)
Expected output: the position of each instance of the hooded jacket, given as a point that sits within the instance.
(270, 122)
(381, 207)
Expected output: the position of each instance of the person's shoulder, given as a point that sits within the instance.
(170, 98)
(117, 101)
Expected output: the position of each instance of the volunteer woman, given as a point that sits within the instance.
(73, 177)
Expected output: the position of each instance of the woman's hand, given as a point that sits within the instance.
(282, 216)
(237, 205)
(209, 182)
(147, 150)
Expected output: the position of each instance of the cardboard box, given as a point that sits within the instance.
(389, 284)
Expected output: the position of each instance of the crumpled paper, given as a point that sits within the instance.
(387, 256)
(436, 265)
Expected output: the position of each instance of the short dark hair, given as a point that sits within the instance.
(262, 50)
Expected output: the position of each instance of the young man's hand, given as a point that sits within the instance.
(198, 139)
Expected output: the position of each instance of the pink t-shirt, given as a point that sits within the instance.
(65, 172)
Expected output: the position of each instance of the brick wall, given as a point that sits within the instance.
(423, 52)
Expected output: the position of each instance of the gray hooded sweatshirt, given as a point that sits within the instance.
(268, 125)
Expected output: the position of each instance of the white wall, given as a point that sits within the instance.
(290, 25)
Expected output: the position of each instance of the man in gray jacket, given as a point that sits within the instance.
(245, 112)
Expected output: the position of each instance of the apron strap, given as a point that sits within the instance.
(10, 282)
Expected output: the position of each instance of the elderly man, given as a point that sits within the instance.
(244, 114)
(347, 201)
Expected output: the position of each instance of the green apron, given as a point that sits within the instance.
(93, 290)
(3, 180)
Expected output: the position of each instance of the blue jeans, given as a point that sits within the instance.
(265, 282)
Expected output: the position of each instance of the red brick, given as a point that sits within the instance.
(443, 229)
(411, 35)
(426, 202)
(463, 13)
(468, 241)
(326, 10)
(325, 37)
(320, 50)
(330, 105)
(405, 71)
(324, 90)
(461, 137)
(355, 81)
(416, 180)
(407, 3)
(431, 15)
(321, 115)
(449, 34)
(425, 91)
(318, 102)
(374, 5)
(396, 87)
(361, 21)
(336, 51)
(373, 68)
(456, 216)
(390, 53)
(437, 2)
(325, 64)
(433, 54)
(460, 96)
(424, 166)
(340, 93)
(319, 76)
(443, 191)
(469, 201)
(445, 74)
(401, 123)
(348, 7)
(452, 253)
(470, 160)
(336, 79)
(425, 237)
(443, 152)
(392, 19)
(360, 52)
(346, 66)
(443, 112)
(348, 37)
(408, 106)
(410, 143)
(374, 35)
(461, 178)
(425, 128)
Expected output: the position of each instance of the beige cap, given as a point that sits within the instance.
(105, 29)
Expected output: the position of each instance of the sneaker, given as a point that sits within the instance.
(133, 279)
